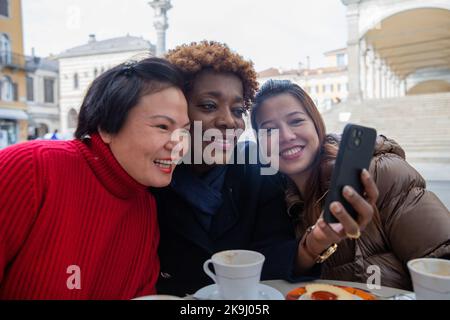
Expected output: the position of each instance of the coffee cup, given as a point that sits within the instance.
(430, 278)
(236, 273)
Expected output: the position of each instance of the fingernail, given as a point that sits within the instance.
(335, 207)
(348, 191)
(366, 174)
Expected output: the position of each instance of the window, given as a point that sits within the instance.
(95, 73)
(76, 83)
(339, 87)
(41, 130)
(30, 89)
(72, 119)
(15, 91)
(49, 90)
(4, 8)
(5, 49)
(8, 133)
(341, 60)
(7, 89)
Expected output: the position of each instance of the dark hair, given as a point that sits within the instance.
(321, 168)
(114, 93)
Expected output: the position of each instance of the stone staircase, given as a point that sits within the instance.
(420, 123)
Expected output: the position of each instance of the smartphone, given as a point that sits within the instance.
(354, 155)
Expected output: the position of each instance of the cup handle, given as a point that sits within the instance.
(208, 271)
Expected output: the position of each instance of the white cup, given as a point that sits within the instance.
(237, 273)
(431, 278)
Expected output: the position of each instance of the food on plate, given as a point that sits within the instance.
(319, 291)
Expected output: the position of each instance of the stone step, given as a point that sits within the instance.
(428, 160)
(420, 124)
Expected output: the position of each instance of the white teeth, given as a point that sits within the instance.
(163, 163)
(291, 151)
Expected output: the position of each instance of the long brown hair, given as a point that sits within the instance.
(321, 168)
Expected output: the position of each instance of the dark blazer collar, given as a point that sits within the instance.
(179, 215)
(182, 220)
(230, 211)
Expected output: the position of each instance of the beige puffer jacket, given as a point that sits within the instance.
(412, 223)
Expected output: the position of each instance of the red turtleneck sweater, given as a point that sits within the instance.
(74, 224)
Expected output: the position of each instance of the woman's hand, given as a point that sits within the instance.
(324, 235)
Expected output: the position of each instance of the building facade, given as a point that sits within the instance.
(397, 47)
(327, 86)
(79, 66)
(13, 116)
(42, 96)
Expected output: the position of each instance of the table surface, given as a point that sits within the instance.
(383, 292)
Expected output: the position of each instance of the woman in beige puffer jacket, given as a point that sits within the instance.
(411, 223)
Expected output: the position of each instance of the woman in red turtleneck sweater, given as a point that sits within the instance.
(76, 219)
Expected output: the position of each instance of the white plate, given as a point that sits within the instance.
(159, 297)
(211, 292)
(307, 297)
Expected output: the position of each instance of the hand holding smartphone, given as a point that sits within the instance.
(354, 155)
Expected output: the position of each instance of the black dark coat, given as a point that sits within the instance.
(253, 216)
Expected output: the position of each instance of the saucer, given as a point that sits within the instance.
(211, 292)
(158, 297)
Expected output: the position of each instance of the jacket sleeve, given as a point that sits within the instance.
(415, 221)
(18, 200)
(275, 236)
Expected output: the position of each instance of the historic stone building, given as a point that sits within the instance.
(79, 66)
(398, 47)
(327, 86)
(42, 96)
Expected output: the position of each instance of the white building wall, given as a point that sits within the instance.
(84, 66)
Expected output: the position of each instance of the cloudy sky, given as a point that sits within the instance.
(272, 33)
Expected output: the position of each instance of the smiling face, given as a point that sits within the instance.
(299, 141)
(144, 145)
(217, 100)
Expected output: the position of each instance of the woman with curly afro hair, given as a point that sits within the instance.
(214, 205)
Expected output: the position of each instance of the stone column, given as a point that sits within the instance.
(161, 24)
(354, 52)
(377, 79)
(391, 84)
(63, 120)
(363, 71)
(388, 83)
(403, 87)
(369, 76)
(383, 81)
(373, 74)
(396, 87)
